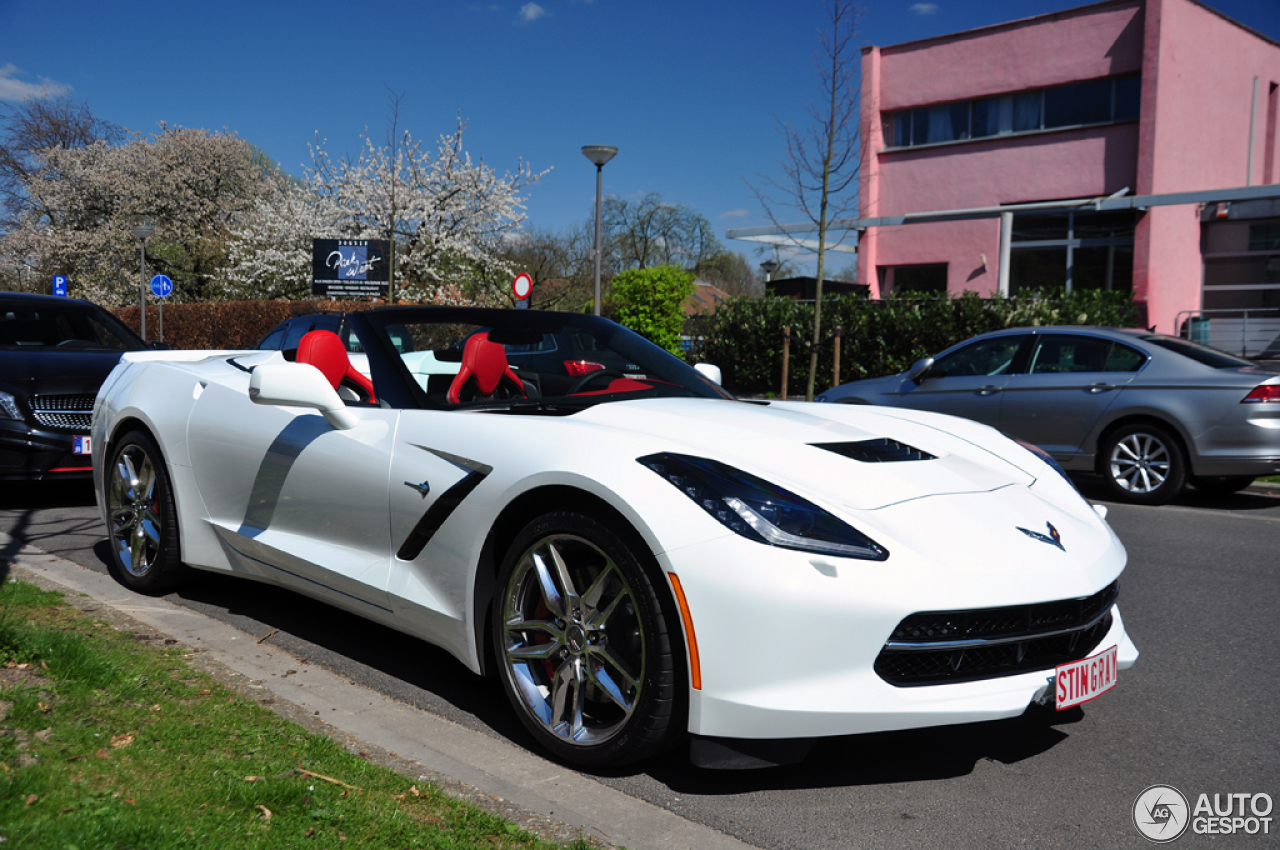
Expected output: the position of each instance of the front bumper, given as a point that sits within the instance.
(787, 641)
(33, 454)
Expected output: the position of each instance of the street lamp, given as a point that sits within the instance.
(769, 267)
(598, 154)
(143, 232)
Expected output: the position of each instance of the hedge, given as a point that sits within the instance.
(744, 336)
(225, 324)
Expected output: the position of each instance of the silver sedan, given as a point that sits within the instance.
(1147, 412)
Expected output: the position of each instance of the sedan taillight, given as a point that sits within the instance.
(582, 367)
(1263, 392)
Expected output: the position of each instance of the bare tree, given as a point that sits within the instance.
(733, 273)
(561, 264)
(32, 126)
(652, 232)
(821, 162)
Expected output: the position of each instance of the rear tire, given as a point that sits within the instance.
(142, 521)
(584, 650)
(1143, 464)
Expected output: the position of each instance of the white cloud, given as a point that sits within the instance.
(12, 89)
(531, 12)
(735, 214)
(924, 8)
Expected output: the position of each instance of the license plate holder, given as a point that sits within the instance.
(1087, 679)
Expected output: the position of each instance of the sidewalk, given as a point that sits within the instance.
(539, 795)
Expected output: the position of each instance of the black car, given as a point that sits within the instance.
(286, 335)
(54, 355)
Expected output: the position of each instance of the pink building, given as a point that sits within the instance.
(1015, 122)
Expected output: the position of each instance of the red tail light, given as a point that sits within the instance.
(581, 367)
(1265, 392)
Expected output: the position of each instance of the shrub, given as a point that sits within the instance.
(879, 337)
(649, 302)
(225, 324)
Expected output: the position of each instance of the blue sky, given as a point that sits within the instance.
(686, 89)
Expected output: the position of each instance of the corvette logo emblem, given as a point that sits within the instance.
(1053, 538)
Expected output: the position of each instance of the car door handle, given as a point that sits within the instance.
(989, 390)
(1101, 388)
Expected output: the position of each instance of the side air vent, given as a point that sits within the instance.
(882, 450)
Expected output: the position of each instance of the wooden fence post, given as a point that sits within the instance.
(835, 369)
(786, 356)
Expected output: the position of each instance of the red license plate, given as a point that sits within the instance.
(1086, 679)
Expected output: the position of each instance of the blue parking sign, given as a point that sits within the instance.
(60, 285)
(161, 286)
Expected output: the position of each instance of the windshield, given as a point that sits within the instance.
(65, 327)
(526, 360)
(1200, 353)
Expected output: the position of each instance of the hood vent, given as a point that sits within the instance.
(882, 450)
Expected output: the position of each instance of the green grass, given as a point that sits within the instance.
(109, 742)
(1270, 479)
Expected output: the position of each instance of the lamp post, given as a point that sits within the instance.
(769, 267)
(598, 154)
(143, 232)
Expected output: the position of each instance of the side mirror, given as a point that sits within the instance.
(156, 345)
(919, 369)
(710, 372)
(299, 385)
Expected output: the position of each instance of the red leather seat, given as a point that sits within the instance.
(325, 351)
(484, 373)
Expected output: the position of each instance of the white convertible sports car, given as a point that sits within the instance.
(638, 556)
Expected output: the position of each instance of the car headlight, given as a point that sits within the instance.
(9, 407)
(761, 511)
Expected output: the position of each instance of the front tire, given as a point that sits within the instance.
(1143, 464)
(142, 520)
(584, 650)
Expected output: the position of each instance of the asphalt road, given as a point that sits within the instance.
(1198, 712)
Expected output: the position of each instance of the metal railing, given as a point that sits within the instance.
(1249, 333)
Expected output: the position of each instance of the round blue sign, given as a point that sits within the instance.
(161, 286)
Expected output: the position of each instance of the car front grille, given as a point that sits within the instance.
(63, 412)
(963, 646)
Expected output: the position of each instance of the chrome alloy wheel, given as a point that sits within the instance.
(133, 506)
(1140, 463)
(573, 645)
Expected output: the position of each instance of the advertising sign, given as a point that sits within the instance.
(342, 268)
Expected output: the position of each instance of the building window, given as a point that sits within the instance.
(1241, 265)
(1071, 251)
(1078, 105)
(924, 279)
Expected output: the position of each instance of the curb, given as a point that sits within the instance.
(540, 796)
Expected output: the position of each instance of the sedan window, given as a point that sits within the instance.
(1124, 359)
(1059, 353)
(985, 357)
(1068, 353)
(1199, 353)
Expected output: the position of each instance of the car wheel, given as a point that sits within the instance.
(1221, 485)
(1143, 464)
(584, 651)
(142, 520)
